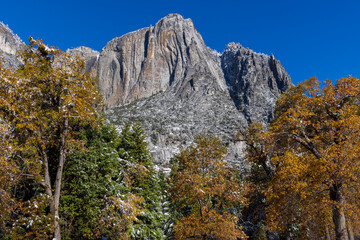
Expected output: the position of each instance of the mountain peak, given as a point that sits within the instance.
(170, 55)
(174, 15)
(175, 22)
(10, 43)
(167, 78)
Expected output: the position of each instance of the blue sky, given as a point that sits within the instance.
(311, 38)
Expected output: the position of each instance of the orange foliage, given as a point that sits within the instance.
(204, 183)
(313, 145)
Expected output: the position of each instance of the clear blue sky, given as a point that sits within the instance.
(310, 37)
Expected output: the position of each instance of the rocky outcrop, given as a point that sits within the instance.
(171, 124)
(9, 45)
(255, 81)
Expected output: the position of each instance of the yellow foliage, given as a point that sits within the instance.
(204, 183)
(41, 102)
(313, 145)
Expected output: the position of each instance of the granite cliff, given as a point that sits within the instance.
(90, 56)
(255, 81)
(169, 56)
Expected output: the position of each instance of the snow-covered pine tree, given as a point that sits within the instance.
(144, 181)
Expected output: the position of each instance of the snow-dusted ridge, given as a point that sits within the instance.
(10, 43)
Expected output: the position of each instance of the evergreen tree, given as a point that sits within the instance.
(144, 181)
(91, 175)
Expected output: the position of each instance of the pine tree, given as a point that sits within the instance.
(92, 177)
(144, 182)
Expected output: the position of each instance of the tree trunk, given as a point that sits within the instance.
(62, 156)
(350, 231)
(328, 237)
(47, 180)
(338, 213)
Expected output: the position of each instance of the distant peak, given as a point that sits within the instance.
(10, 43)
(175, 21)
(174, 15)
(236, 47)
(175, 18)
(233, 46)
(83, 49)
(7, 29)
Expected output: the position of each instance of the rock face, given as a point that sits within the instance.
(171, 123)
(90, 56)
(169, 56)
(166, 78)
(9, 45)
(255, 81)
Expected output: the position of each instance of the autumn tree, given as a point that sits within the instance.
(17, 171)
(205, 193)
(41, 101)
(259, 150)
(314, 147)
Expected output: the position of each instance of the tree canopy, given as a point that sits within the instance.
(40, 102)
(205, 192)
(312, 149)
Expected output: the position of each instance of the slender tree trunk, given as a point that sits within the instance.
(350, 230)
(327, 233)
(338, 213)
(62, 156)
(47, 180)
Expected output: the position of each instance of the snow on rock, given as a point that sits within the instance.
(10, 43)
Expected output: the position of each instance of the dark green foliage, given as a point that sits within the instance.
(165, 203)
(90, 175)
(144, 181)
(111, 165)
(260, 233)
